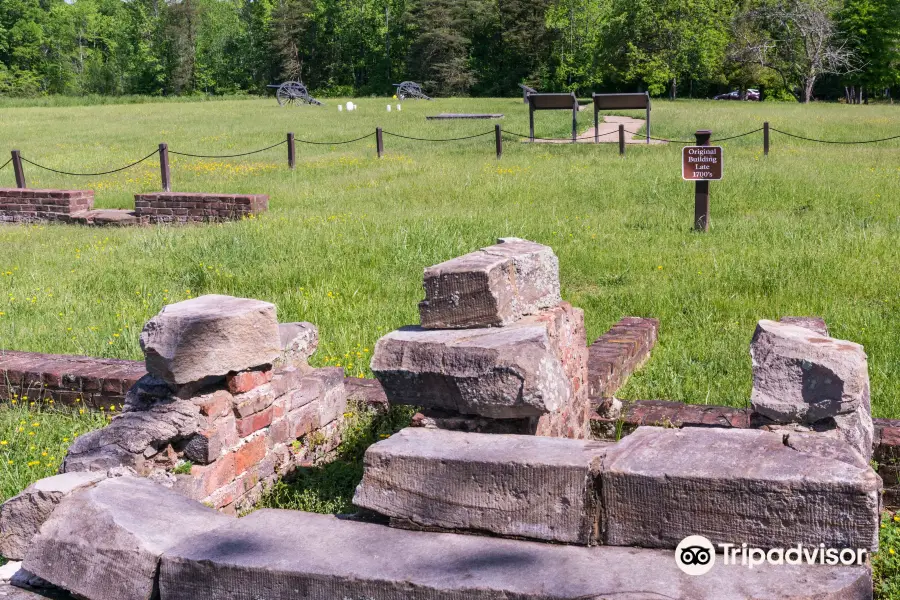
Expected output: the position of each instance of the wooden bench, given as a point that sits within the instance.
(621, 101)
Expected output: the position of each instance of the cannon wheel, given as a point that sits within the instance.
(289, 92)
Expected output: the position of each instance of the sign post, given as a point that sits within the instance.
(701, 163)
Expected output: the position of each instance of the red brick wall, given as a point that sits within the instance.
(65, 379)
(615, 355)
(180, 207)
(27, 206)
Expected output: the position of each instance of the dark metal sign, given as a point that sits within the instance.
(701, 163)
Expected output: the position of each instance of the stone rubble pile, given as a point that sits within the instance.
(497, 349)
(228, 393)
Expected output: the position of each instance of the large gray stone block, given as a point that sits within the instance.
(493, 286)
(735, 486)
(258, 558)
(207, 337)
(22, 516)
(534, 369)
(800, 376)
(511, 485)
(104, 542)
(511, 372)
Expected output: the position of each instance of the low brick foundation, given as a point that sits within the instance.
(618, 353)
(181, 207)
(67, 379)
(28, 206)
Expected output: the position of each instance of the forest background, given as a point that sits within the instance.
(790, 49)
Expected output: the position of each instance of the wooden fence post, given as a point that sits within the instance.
(499, 140)
(766, 138)
(379, 141)
(292, 160)
(164, 167)
(19, 171)
(621, 139)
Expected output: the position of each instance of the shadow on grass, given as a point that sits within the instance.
(328, 488)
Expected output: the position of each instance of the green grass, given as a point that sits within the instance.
(811, 229)
(34, 439)
(328, 488)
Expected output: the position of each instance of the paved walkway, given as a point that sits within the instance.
(609, 133)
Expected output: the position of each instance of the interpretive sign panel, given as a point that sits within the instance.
(701, 163)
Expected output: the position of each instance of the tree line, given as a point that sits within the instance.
(791, 49)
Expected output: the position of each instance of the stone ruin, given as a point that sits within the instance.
(497, 492)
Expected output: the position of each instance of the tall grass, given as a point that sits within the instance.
(812, 229)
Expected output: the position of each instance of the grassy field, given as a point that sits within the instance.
(812, 229)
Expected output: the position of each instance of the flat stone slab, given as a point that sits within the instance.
(104, 543)
(207, 337)
(736, 486)
(21, 516)
(511, 485)
(501, 373)
(258, 557)
(493, 286)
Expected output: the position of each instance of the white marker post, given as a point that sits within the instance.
(389, 108)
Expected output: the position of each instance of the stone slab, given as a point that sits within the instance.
(493, 286)
(207, 337)
(298, 342)
(257, 557)
(734, 486)
(104, 542)
(510, 485)
(21, 516)
(501, 373)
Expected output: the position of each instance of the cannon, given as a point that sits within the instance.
(293, 92)
(410, 89)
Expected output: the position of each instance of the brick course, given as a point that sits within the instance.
(181, 207)
(615, 355)
(67, 379)
(29, 206)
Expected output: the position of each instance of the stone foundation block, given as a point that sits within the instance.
(21, 516)
(104, 543)
(734, 486)
(519, 371)
(353, 560)
(208, 337)
(494, 286)
(800, 376)
(509, 485)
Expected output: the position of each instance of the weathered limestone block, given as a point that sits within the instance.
(532, 367)
(22, 516)
(494, 286)
(734, 486)
(104, 542)
(257, 557)
(207, 337)
(802, 377)
(510, 485)
(298, 342)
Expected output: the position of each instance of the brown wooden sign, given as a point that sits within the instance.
(701, 163)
